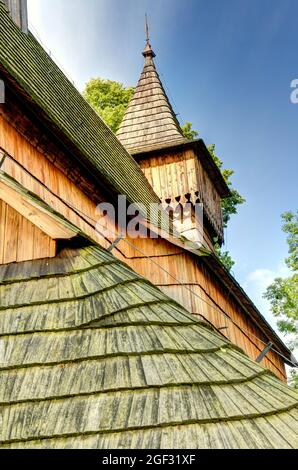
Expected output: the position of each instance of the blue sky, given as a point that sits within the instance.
(227, 66)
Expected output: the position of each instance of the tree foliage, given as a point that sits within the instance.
(283, 293)
(290, 227)
(110, 100)
(224, 256)
(230, 204)
(188, 132)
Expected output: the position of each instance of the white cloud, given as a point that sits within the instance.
(256, 284)
(264, 277)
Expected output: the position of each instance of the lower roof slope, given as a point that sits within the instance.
(92, 355)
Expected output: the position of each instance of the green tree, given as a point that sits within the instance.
(110, 100)
(230, 204)
(188, 131)
(224, 256)
(283, 293)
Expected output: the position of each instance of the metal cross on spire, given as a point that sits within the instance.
(147, 29)
(148, 52)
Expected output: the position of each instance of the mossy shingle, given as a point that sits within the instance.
(92, 355)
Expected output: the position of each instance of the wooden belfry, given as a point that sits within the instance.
(179, 170)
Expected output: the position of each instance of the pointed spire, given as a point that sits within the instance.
(149, 120)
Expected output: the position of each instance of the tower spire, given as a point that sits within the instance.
(148, 52)
(149, 120)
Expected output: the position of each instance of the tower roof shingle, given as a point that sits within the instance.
(150, 119)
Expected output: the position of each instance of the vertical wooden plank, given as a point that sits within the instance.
(3, 208)
(170, 174)
(25, 241)
(11, 236)
(44, 246)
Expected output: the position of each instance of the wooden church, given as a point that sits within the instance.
(108, 341)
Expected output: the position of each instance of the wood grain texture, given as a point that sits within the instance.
(184, 266)
(20, 240)
(92, 354)
(31, 159)
(25, 205)
(59, 104)
(51, 165)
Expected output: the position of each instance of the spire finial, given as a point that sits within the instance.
(147, 29)
(148, 52)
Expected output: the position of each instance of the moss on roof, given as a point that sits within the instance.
(93, 355)
(37, 74)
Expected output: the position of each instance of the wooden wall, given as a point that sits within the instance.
(202, 294)
(186, 267)
(20, 240)
(179, 176)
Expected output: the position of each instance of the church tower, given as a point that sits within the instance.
(180, 171)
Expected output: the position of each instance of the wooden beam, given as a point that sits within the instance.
(34, 210)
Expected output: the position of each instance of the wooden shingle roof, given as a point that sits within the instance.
(93, 355)
(149, 120)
